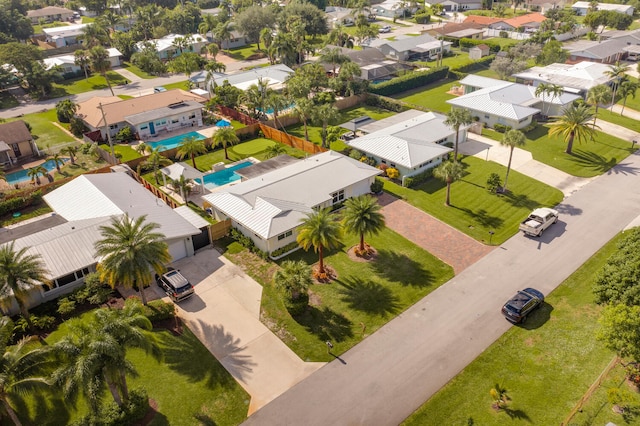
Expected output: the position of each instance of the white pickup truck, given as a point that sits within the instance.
(539, 220)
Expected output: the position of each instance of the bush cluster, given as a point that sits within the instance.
(501, 128)
(420, 178)
(393, 173)
(246, 242)
(283, 250)
(12, 205)
(114, 415)
(530, 127)
(494, 182)
(479, 64)
(467, 43)
(385, 103)
(376, 186)
(409, 81)
(159, 310)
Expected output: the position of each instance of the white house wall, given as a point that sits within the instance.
(171, 123)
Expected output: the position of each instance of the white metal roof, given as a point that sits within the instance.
(168, 41)
(70, 59)
(621, 8)
(108, 194)
(191, 216)
(65, 30)
(583, 75)
(276, 201)
(273, 74)
(410, 142)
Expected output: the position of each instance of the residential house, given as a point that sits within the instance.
(16, 143)
(581, 8)
(65, 240)
(339, 16)
(457, 5)
(612, 46)
(456, 31)
(49, 14)
(167, 48)
(530, 21)
(273, 76)
(269, 208)
(577, 78)
(479, 51)
(509, 104)
(67, 63)
(66, 35)
(147, 116)
(236, 40)
(543, 6)
(392, 8)
(372, 62)
(407, 48)
(411, 142)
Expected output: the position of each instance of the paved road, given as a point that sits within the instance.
(385, 378)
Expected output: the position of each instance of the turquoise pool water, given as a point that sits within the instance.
(223, 177)
(174, 141)
(21, 176)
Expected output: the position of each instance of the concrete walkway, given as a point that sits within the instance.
(523, 162)
(628, 112)
(128, 75)
(441, 240)
(224, 314)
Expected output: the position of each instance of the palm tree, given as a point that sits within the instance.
(275, 150)
(3, 176)
(100, 63)
(71, 151)
(325, 114)
(191, 147)
(20, 273)
(277, 102)
(293, 278)
(512, 138)
(225, 136)
(266, 37)
(94, 35)
(542, 89)
(213, 50)
(21, 373)
(222, 33)
(109, 20)
(597, 95)
(457, 118)
(65, 110)
(448, 172)
(155, 160)
(334, 57)
(616, 72)
(627, 88)
(35, 172)
(574, 123)
(321, 231)
(142, 148)
(304, 108)
(362, 216)
(129, 250)
(183, 184)
(57, 160)
(81, 59)
(499, 396)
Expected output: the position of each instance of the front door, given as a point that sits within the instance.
(152, 128)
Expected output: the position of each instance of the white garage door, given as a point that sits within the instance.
(178, 250)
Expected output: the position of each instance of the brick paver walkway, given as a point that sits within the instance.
(446, 243)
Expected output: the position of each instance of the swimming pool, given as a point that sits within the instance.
(174, 141)
(21, 176)
(223, 177)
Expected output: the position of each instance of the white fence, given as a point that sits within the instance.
(578, 32)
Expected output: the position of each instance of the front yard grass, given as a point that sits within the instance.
(474, 210)
(620, 120)
(184, 85)
(81, 85)
(365, 296)
(137, 71)
(189, 385)
(588, 159)
(546, 365)
(243, 53)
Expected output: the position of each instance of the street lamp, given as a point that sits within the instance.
(329, 346)
(491, 236)
(487, 157)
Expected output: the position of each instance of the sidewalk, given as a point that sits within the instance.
(523, 162)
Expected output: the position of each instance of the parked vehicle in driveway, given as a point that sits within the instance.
(175, 285)
(538, 221)
(521, 305)
(385, 29)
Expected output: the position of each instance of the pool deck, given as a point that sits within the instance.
(207, 132)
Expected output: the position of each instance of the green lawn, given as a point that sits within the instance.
(7, 100)
(81, 85)
(189, 385)
(179, 85)
(124, 97)
(588, 159)
(243, 53)
(87, 20)
(620, 120)
(365, 296)
(433, 96)
(137, 71)
(45, 134)
(546, 365)
(345, 115)
(474, 210)
(125, 152)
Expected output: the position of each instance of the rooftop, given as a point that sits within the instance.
(47, 11)
(14, 132)
(583, 75)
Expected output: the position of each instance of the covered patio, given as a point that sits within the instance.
(174, 171)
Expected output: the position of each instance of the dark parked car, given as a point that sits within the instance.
(521, 305)
(175, 285)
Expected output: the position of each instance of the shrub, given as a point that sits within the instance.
(159, 310)
(376, 186)
(285, 249)
(113, 415)
(530, 127)
(66, 306)
(77, 127)
(382, 102)
(418, 179)
(384, 168)
(368, 160)
(125, 134)
(355, 154)
(479, 64)
(422, 18)
(12, 205)
(504, 34)
(501, 128)
(393, 173)
(494, 182)
(467, 43)
(409, 81)
(40, 322)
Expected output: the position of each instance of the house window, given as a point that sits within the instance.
(174, 121)
(338, 196)
(392, 164)
(16, 149)
(144, 127)
(383, 161)
(192, 116)
(285, 235)
(113, 126)
(68, 279)
(486, 116)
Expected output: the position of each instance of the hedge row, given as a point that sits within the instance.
(409, 81)
(415, 180)
(467, 43)
(480, 64)
(15, 204)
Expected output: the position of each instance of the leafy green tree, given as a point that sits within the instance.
(456, 118)
(319, 230)
(81, 59)
(225, 136)
(14, 24)
(574, 124)
(100, 63)
(513, 139)
(20, 274)
(186, 63)
(312, 18)
(21, 56)
(65, 110)
(599, 95)
(38, 77)
(617, 281)
(552, 52)
(129, 250)
(154, 161)
(191, 147)
(362, 216)
(324, 115)
(620, 330)
(448, 172)
(253, 20)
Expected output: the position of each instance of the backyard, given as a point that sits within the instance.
(47, 135)
(474, 210)
(588, 159)
(546, 365)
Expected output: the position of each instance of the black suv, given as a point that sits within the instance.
(521, 305)
(175, 285)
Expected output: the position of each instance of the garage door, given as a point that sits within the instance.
(178, 250)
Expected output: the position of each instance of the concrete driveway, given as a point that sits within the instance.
(224, 314)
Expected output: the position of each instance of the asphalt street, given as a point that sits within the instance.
(390, 374)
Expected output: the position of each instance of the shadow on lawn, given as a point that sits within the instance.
(368, 296)
(516, 414)
(519, 200)
(180, 352)
(537, 318)
(401, 269)
(481, 217)
(326, 324)
(50, 409)
(593, 161)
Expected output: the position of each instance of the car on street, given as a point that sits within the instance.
(385, 29)
(522, 304)
(539, 220)
(175, 285)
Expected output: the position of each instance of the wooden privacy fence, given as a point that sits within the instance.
(220, 229)
(292, 141)
(236, 115)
